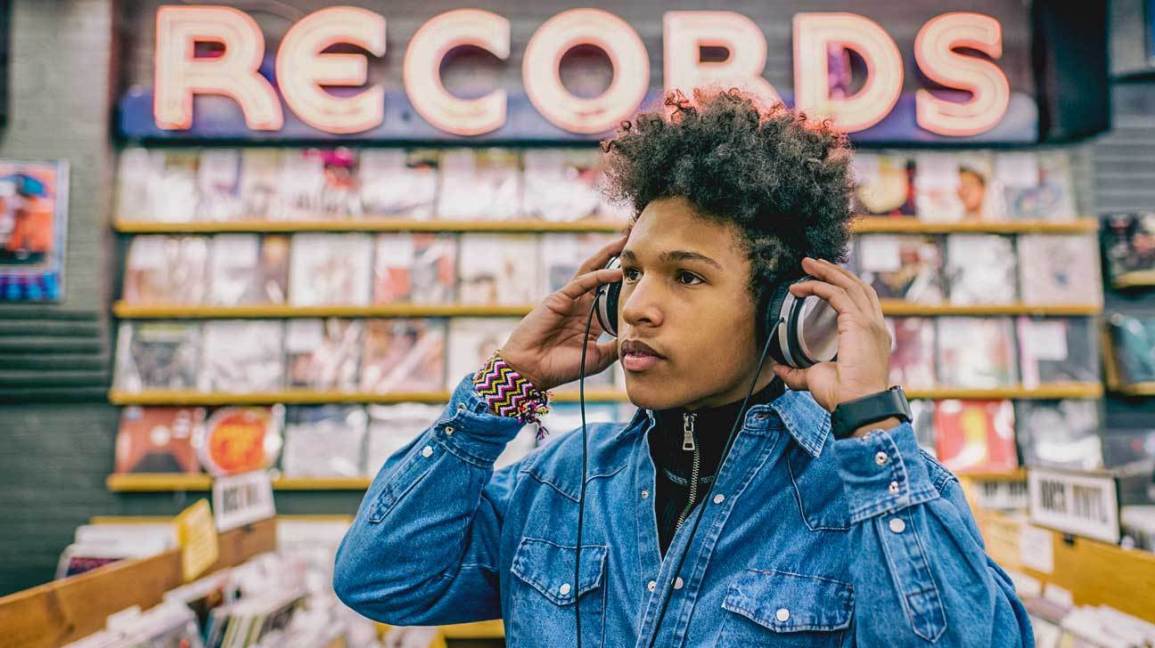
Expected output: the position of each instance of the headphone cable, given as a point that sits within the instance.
(582, 491)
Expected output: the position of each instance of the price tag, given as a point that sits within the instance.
(198, 540)
(243, 499)
(1036, 549)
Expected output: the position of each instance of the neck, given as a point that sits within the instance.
(733, 395)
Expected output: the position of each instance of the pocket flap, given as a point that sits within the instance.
(548, 567)
(785, 602)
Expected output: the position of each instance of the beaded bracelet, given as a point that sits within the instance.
(508, 393)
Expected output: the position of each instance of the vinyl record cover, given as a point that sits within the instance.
(174, 190)
(1059, 269)
(324, 441)
(480, 184)
(885, 184)
(471, 341)
(397, 183)
(341, 191)
(323, 354)
(403, 355)
(1133, 345)
(912, 356)
(166, 270)
(392, 427)
(1037, 185)
(1128, 243)
(981, 269)
(219, 185)
(416, 267)
(563, 253)
(248, 269)
(138, 170)
(261, 184)
(976, 435)
(922, 420)
(326, 269)
(157, 355)
(158, 439)
(1057, 350)
(958, 186)
(240, 439)
(566, 185)
(301, 183)
(243, 356)
(1060, 434)
(902, 267)
(976, 352)
(499, 269)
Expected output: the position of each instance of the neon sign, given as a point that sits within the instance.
(304, 70)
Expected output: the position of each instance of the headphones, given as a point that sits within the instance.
(807, 333)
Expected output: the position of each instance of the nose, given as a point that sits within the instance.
(640, 303)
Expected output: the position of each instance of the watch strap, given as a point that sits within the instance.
(849, 416)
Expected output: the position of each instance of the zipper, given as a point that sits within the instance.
(689, 446)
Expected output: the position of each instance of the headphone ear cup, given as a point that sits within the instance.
(607, 302)
(771, 315)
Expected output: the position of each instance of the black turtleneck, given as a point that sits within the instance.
(674, 465)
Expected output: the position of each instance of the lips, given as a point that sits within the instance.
(638, 356)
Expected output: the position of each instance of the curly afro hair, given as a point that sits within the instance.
(783, 181)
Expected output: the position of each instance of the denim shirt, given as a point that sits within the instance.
(806, 541)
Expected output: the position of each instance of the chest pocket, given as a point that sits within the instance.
(775, 608)
(543, 596)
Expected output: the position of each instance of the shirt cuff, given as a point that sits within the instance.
(468, 428)
(883, 472)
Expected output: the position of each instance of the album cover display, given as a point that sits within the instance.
(237, 440)
(499, 269)
(958, 186)
(137, 172)
(885, 184)
(301, 182)
(1060, 434)
(327, 269)
(392, 427)
(976, 435)
(981, 269)
(562, 255)
(1133, 342)
(341, 191)
(976, 352)
(242, 356)
(1057, 350)
(1037, 185)
(417, 268)
(480, 184)
(906, 267)
(912, 354)
(261, 184)
(1059, 269)
(472, 340)
(403, 355)
(566, 185)
(166, 270)
(324, 441)
(397, 183)
(174, 188)
(158, 439)
(219, 185)
(248, 269)
(157, 355)
(1128, 243)
(323, 354)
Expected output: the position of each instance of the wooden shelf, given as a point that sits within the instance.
(1095, 573)
(301, 397)
(166, 519)
(364, 225)
(162, 482)
(890, 307)
(1044, 392)
(886, 225)
(1016, 475)
(1136, 279)
(1135, 389)
(67, 610)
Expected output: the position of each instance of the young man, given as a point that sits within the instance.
(806, 540)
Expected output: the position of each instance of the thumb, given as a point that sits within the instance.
(795, 379)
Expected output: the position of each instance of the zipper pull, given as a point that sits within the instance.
(688, 430)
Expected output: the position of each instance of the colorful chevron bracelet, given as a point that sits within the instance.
(508, 393)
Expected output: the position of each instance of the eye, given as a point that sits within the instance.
(688, 278)
(630, 273)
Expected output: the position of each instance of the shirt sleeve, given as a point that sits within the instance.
(919, 551)
(423, 547)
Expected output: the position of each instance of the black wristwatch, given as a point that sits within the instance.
(851, 415)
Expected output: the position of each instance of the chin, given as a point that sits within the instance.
(647, 394)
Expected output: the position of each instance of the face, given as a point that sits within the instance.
(971, 191)
(685, 295)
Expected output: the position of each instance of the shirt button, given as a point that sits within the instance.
(881, 458)
(426, 451)
(897, 525)
(678, 583)
(893, 488)
(448, 430)
(782, 615)
(564, 589)
(719, 498)
(645, 493)
(652, 585)
(461, 406)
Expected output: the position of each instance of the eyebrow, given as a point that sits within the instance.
(672, 256)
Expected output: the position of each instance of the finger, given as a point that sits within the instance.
(602, 256)
(588, 281)
(858, 281)
(832, 274)
(795, 379)
(836, 296)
